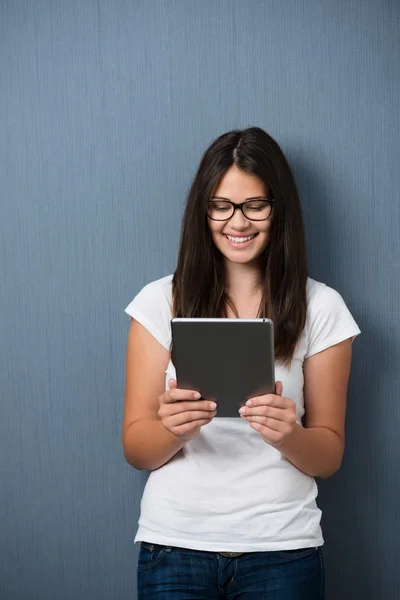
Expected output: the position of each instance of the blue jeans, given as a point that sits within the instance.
(169, 573)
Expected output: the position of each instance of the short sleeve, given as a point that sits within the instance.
(152, 309)
(329, 321)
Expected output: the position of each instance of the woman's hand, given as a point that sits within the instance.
(183, 413)
(272, 415)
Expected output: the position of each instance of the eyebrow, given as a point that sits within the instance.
(246, 200)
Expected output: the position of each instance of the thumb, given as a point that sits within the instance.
(278, 388)
(172, 384)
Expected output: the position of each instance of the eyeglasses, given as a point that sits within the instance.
(257, 209)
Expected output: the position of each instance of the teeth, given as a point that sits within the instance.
(239, 240)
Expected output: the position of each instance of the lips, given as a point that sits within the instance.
(240, 241)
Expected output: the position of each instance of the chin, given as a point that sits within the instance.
(241, 258)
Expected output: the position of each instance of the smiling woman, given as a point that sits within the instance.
(229, 509)
(241, 167)
(239, 214)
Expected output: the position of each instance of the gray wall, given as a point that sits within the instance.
(105, 108)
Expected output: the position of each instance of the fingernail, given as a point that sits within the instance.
(196, 395)
(213, 406)
(249, 403)
(242, 410)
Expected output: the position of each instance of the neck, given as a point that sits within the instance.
(242, 279)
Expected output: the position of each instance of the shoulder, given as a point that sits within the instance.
(329, 320)
(152, 307)
(320, 295)
(159, 290)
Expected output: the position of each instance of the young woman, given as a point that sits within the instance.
(229, 509)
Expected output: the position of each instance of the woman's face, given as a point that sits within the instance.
(239, 239)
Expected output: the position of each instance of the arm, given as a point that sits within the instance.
(156, 423)
(317, 448)
(146, 443)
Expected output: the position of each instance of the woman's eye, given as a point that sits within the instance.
(257, 207)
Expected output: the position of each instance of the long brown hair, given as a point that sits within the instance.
(199, 280)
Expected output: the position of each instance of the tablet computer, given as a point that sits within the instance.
(226, 360)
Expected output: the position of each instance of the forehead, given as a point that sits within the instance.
(237, 185)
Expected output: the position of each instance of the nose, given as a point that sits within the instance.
(238, 221)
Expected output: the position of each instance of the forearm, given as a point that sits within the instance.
(315, 451)
(148, 445)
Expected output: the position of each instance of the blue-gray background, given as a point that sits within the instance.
(105, 109)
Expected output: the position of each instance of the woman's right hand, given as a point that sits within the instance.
(183, 413)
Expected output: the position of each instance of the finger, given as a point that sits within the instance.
(270, 400)
(281, 414)
(269, 423)
(270, 435)
(176, 395)
(278, 388)
(190, 427)
(173, 384)
(189, 417)
(185, 406)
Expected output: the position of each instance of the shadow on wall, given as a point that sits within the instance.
(351, 501)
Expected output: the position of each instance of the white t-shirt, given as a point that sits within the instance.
(228, 490)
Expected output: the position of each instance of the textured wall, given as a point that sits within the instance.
(105, 108)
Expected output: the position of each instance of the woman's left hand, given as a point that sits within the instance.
(272, 415)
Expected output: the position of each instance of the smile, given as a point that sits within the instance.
(240, 240)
